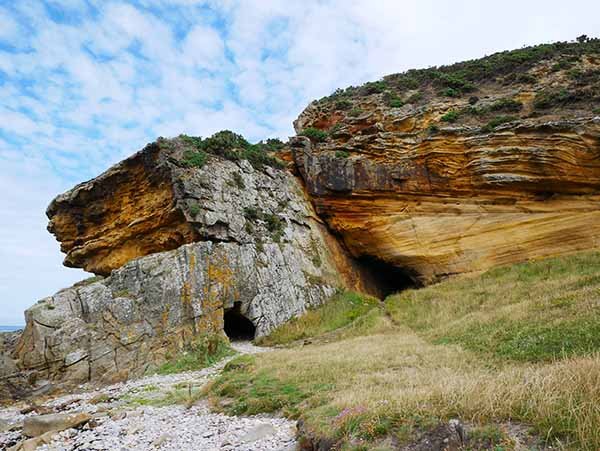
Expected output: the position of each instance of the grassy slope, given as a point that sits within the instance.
(515, 344)
(341, 311)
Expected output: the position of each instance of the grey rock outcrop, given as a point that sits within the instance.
(253, 251)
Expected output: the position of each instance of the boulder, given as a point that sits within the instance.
(41, 424)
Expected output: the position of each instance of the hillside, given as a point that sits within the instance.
(510, 356)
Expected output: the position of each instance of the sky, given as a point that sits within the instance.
(85, 83)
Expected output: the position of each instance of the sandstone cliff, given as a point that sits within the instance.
(457, 169)
(185, 238)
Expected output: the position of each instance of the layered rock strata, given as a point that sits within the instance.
(441, 186)
(183, 246)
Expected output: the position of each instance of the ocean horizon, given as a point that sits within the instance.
(11, 328)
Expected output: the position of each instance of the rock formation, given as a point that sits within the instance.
(420, 175)
(182, 247)
(458, 169)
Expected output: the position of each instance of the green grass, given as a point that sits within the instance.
(517, 344)
(182, 393)
(340, 311)
(532, 312)
(253, 393)
(203, 352)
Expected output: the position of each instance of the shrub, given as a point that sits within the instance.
(274, 225)
(525, 78)
(433, 129)
(561, 65)
(194, 159)
(334, 129)
(508, 105)
(314, 134)
(450, 116)
(194, 210)
(252, 213)
(414, 98)
(258, 158)
(374, 87)
(473, 100)
(232, 147)
(548, 99)
(456, 82)
(271, 145)
(498, 121)
(343, 105)
(596, 111)
(342, 154)
(451, 92)
(238, 180)
(392, 100)
(355, 112)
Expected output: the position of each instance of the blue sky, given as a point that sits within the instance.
(84, 83)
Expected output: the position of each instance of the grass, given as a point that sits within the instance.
(203, 352)
(516, 344)
(532, 312)
(183, 393)
(340, 311)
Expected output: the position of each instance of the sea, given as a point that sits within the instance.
(10, 328)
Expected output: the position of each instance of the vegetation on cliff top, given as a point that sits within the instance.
(231, 146)
(515, 345)
(464, 77)
(557, 79)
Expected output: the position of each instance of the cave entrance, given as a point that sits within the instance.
(386, 277)
(236, 326)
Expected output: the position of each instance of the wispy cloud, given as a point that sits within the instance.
(84, 83)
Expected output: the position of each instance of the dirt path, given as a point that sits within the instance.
(131, 416)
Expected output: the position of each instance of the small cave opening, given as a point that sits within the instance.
(387, 278)
(236, 326)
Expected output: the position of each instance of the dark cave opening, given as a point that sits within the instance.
(387, 278)
(236, 326)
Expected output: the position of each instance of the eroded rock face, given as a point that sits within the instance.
(149, 309)
(435, 198)
(129, 211)
(255, 247)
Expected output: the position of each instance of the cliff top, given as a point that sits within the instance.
(546, 82)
